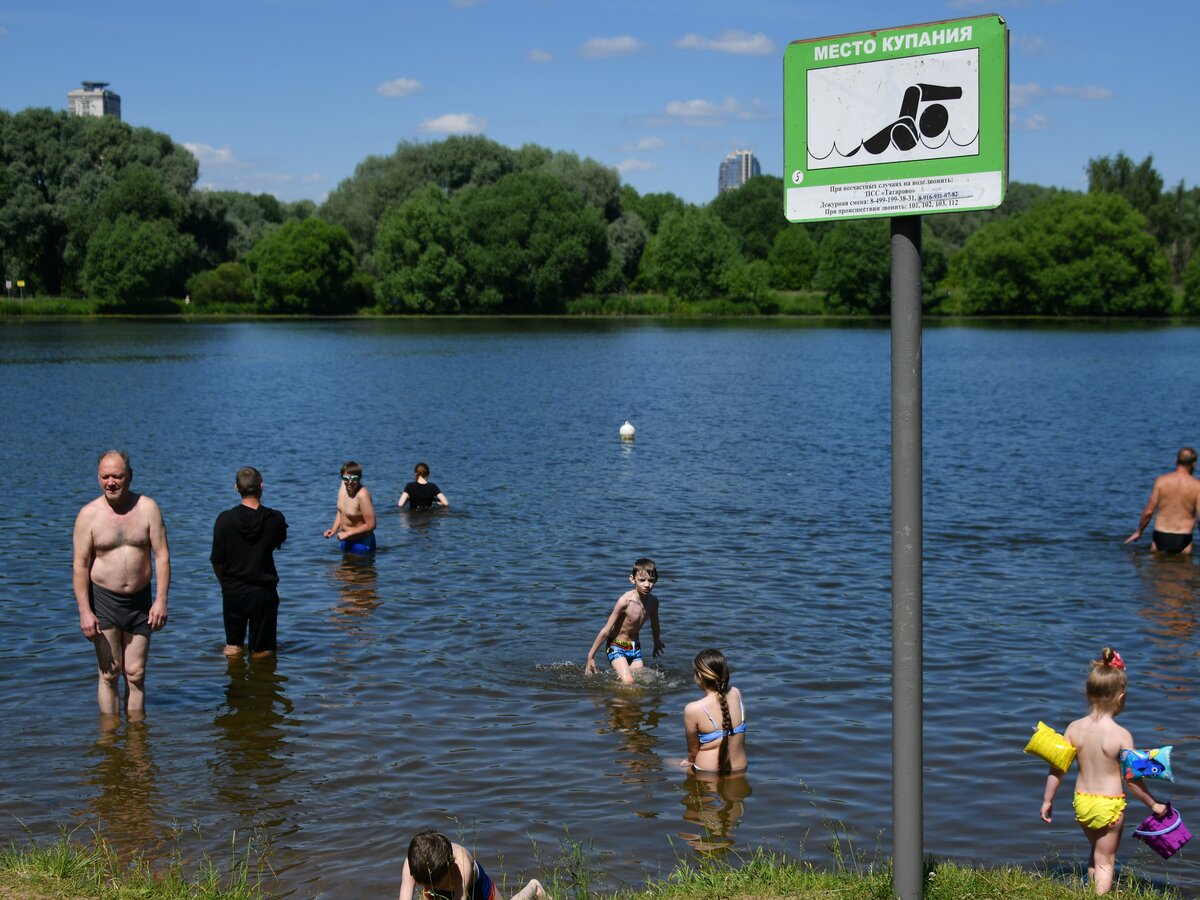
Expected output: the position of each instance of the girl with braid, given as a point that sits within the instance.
(715, 724)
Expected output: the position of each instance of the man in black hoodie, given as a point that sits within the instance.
(244, 539)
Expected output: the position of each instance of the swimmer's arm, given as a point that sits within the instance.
(605, 632)
(1138, 789)
(1053, 780)
(403, 499)
(693, 737)
(337, 521)
(162, 567)
(441, 498)
(81, 571)
(408, 884)
(1147, 514)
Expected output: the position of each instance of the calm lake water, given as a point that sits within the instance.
(442, 682)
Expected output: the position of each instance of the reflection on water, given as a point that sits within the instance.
(251, 764)
(634, 716)
(357, 583)
(1169, 608)
(715, 804)
(125, 779)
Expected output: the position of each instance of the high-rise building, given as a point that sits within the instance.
(736, 169)
(93, 99)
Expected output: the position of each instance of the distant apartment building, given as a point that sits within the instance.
(736, 169)
(94, 99)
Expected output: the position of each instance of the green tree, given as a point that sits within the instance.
(691, 255)
(532, 244)
(55, 169)
(854, 266)
(1191, 286)
(1071, 255)
(1139, 184)
(650, 208)
(132, 259)
(627, 238)
(229, 284)
(754, 213)
(598, 185)
(305, 267)
(792, 261)
(416, 255)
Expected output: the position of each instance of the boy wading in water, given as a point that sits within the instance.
(354, 521)
(624, 625)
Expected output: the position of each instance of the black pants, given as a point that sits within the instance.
(253, 605)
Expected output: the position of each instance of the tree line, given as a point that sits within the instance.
(92, 207)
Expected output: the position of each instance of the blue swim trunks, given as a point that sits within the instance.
(631, 650)
(362, 544)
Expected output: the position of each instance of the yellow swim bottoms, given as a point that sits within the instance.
(1098, 811)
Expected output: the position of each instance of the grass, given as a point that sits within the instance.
(70, 870)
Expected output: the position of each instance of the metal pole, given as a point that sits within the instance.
(907, 757)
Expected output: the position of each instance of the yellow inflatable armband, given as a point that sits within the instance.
(1051, 746)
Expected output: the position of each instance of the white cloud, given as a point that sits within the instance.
(601, 48)
(1020, 95)
(1030, 44)
(1036, 122)
(215, 157)
(454, 123)
(730, 42)
(399, 87)
(1087, 92)
(652, 142)
(635, 165)
(708, 113)
(540, 56)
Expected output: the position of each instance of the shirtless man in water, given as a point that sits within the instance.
(115, 536)
(1176, 497)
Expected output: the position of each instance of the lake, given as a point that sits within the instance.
(441, 683)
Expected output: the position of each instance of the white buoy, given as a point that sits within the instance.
(627, 431)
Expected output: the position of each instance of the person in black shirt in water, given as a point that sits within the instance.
(244, 541)
(422, 493)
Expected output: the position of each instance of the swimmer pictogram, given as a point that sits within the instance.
(892, 111)
(907, 131)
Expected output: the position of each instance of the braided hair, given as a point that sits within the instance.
(713, 672)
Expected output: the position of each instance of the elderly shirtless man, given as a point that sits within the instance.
(115, 536)
(1176, 499)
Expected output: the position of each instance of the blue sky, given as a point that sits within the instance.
(288, 96)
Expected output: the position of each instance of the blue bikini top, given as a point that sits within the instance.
(709, 736)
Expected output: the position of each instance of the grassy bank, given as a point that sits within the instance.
(67, 870)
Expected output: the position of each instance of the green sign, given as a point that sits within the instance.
(897, 121)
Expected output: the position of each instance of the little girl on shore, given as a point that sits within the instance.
(1099, 788)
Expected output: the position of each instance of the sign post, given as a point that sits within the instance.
(899, 122)
(21, 287)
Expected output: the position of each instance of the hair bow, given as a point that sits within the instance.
(1117, 662)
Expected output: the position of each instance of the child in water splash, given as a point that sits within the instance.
(624, 624)
(716, 731)
(442, 870)
(1099, 787)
